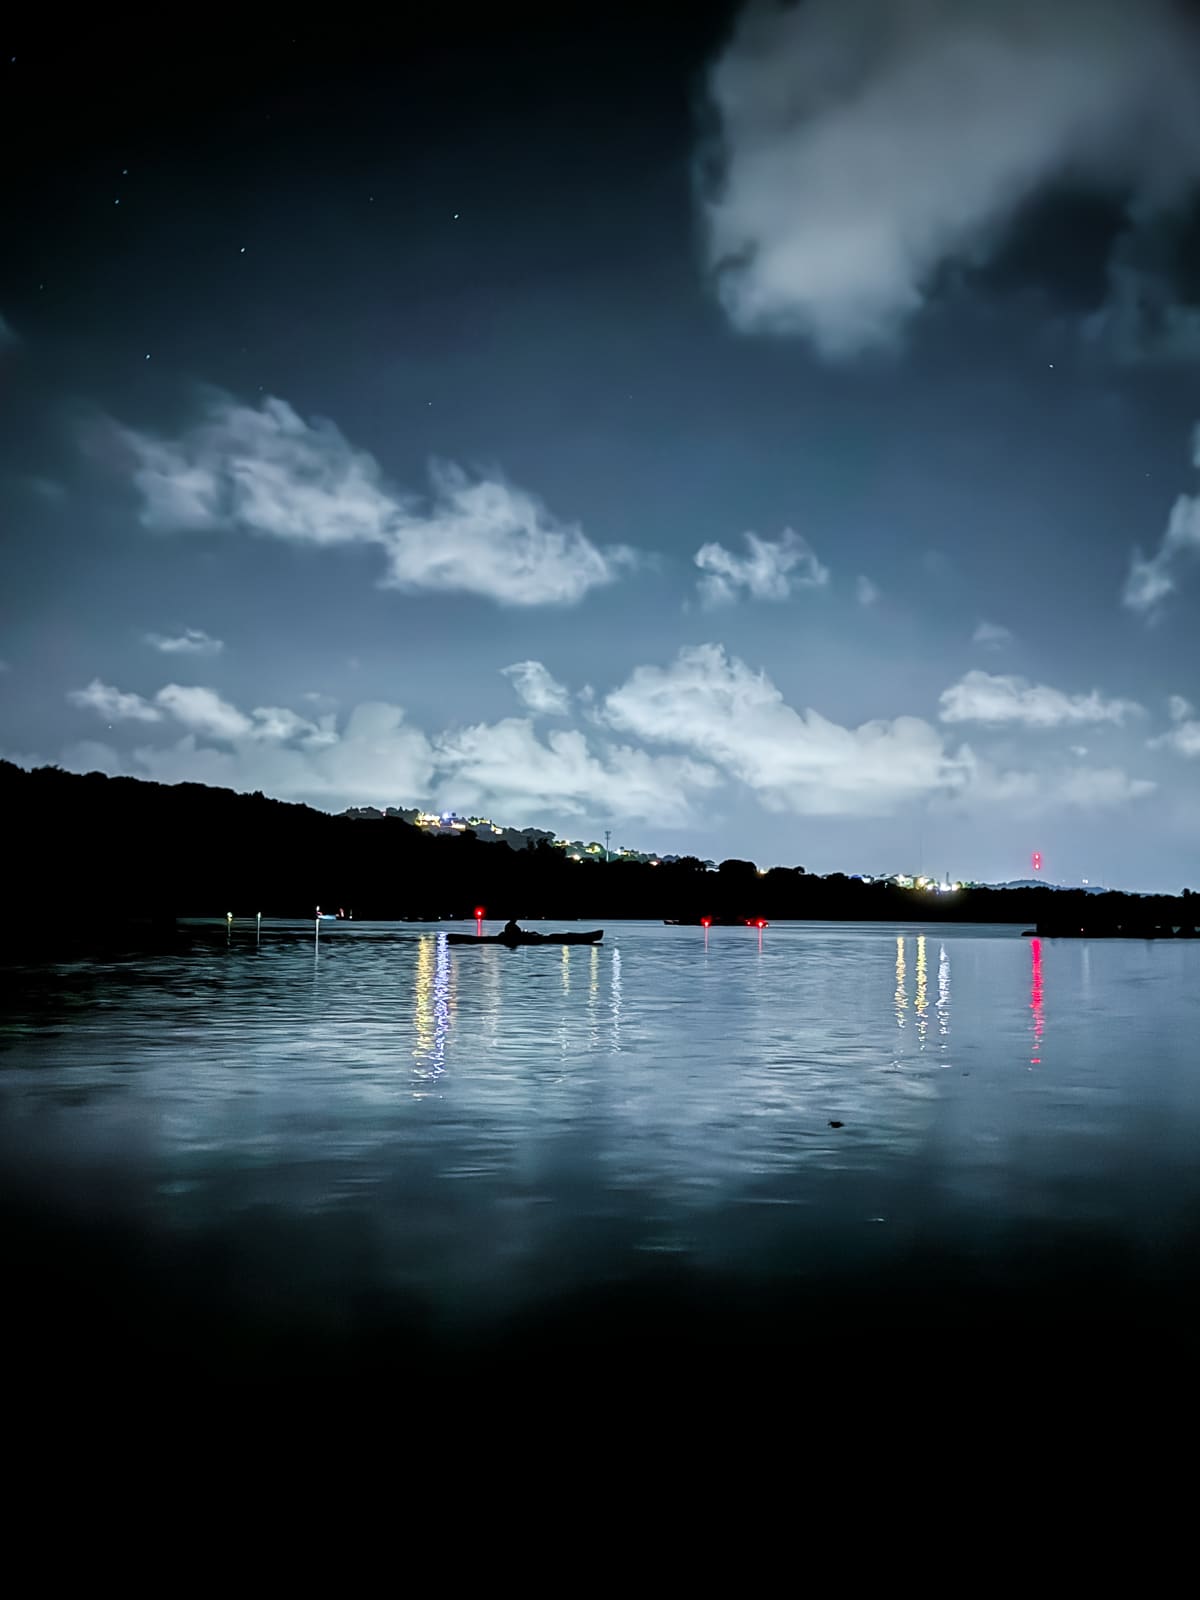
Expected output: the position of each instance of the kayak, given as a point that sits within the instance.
(594, 937)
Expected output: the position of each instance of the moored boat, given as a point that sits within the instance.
(594, 937)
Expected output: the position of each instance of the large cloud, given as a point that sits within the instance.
(1152, 578)
(997, 700)
(377, 757)
(266, 470)
(863, 145)
(770, 569)
(506, 765)
(719, 708)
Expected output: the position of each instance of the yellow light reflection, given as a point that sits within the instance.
(433, 1004)
(423, 996)
(922, 999)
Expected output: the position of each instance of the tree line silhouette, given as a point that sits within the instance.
(89, 851)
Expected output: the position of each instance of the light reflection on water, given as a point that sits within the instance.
(489, 1116)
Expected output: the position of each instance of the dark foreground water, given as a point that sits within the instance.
(260, 1154)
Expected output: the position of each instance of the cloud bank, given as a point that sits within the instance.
(265, 470)
(863, 146)
(670, 736)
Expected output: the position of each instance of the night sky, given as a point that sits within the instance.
(763, 431)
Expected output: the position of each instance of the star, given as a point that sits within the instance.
(147, 355)
(242, 251)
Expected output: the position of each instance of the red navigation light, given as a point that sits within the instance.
(706, 922)
(761, 923)
(478, 913)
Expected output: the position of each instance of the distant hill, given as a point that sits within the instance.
(1057, 888)
(89, 856)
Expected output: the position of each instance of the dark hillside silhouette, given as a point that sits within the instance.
(90, 853)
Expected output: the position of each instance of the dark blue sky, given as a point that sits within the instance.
(339, 376)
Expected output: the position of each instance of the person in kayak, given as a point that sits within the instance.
(512, 931)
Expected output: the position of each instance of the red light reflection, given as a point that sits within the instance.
(1036, 1000)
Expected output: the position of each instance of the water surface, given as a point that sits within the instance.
(375, 1118)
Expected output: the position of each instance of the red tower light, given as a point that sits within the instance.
(479, 913)
(1037, 860)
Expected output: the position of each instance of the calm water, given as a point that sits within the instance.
(478, 1132)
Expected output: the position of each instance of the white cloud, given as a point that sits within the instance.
(722, 710)
(112, 704)
(1183, 738)
(506, 766)
(204, 712)
(537, 689)
(1151, 578)
(770, 570)
(201, 711)
(866, 145)
(267, 471)
(191, 642)
(865, 592)
(375, 758)
(992, 635)
(996, 700)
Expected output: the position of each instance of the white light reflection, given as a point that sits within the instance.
(921, 1004)
(901, 995)
(441, 1006)
(432, 1005)
(615, 999)
(593, 1003)
(943, 999)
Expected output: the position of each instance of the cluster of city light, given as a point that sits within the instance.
(906, 880)
(449, 822)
